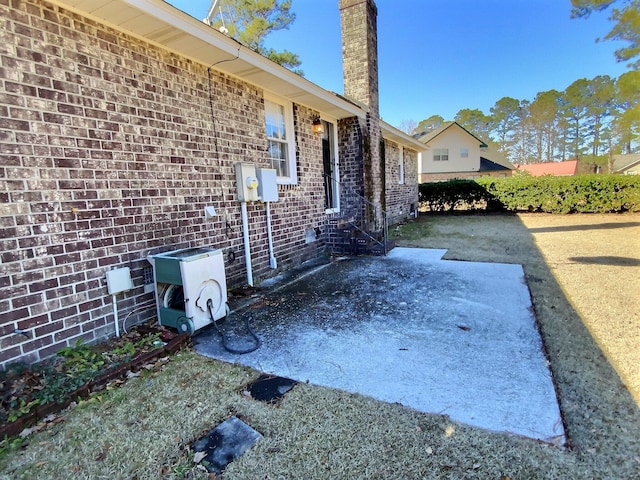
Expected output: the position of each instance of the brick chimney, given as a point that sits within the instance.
(358, 19)
(359, 24)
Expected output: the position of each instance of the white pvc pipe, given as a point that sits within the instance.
(247, 247)
(115, 315)
(272, 259)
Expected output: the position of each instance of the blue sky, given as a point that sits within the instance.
(439, 56)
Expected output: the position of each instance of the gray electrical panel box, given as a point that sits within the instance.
(267, 184)
(247, 182)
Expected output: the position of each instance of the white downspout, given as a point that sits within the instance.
(247, 247)
(272, 259)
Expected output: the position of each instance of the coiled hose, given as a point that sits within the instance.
(229, 349)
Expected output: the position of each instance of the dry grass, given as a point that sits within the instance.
(596, 261)
(143, 429)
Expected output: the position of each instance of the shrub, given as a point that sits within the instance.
(452, 195)
(576, 194)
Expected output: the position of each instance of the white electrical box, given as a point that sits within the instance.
(267, 184)
(247, 182)
(119, 280)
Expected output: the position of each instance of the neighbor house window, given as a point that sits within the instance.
(400, 164)
(440, 154)
(281, 149)
(464, 153)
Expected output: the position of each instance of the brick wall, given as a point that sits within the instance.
(402, 199)
(111, 148)
(351, 132)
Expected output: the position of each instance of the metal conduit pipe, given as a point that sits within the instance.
(247, 246)
(272, 259)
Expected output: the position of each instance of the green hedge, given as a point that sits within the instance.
(574, 194)
(452, 195)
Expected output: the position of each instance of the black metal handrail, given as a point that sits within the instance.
(366, 215)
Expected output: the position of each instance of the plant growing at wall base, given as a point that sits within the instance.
(81, 359)
(24, 388)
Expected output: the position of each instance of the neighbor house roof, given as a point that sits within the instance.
(487, 165)
(159, 23)
(567, 167)
(426, 137)
(622, 163)
(490, 155)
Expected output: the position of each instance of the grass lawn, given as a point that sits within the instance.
(582, 288)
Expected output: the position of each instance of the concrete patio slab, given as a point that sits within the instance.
(445, 337)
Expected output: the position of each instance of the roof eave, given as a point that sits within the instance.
(390, 132)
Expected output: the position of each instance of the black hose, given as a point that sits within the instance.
(224, 338)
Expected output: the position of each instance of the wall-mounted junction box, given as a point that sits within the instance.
(267, 184)
(119, 280)
(247, 182)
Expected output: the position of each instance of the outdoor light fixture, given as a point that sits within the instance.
(317, 126)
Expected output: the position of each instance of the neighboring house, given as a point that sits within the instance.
(628, 164)
(121, 124)
(454, 152)
(568, 167)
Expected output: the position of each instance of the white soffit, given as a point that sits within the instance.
(157, 22)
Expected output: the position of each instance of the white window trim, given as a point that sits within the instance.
(292, 179)
(336, 159)
(400, 165)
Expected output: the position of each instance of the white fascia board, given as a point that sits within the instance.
(390, 132)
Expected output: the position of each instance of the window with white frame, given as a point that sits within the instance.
(400, 164)
(280, 135)
(464, 153)
(440, 154)
(330, 163)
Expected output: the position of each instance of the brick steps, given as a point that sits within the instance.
(345, 238)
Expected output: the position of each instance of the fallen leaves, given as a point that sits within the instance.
(103, 453)
(50, 419)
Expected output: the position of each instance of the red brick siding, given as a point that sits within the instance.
(351, 170)
(111, 148)
(401, 198)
